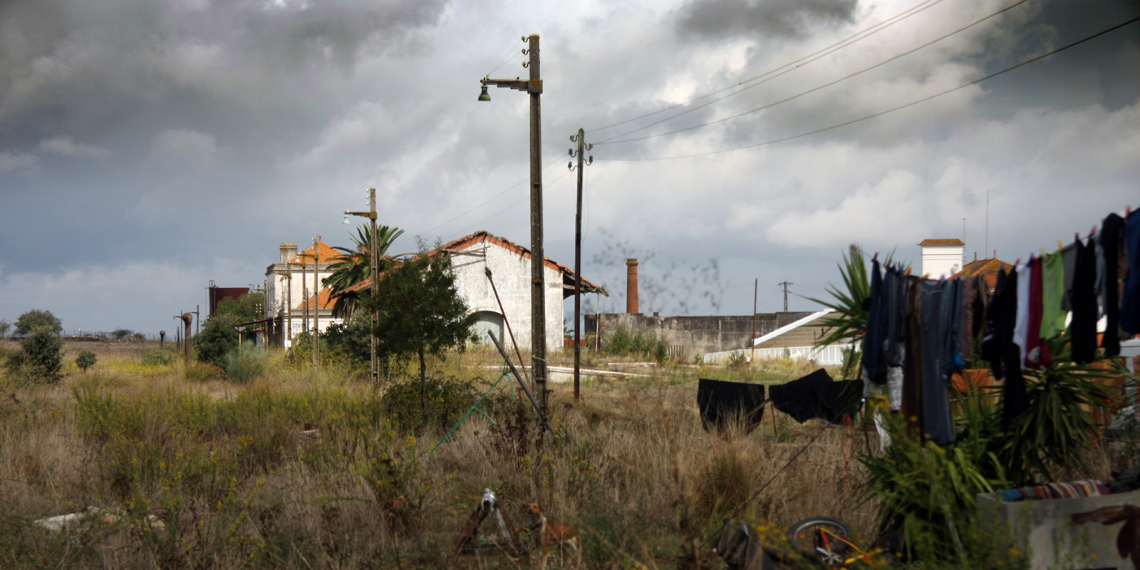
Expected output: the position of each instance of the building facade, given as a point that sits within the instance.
(289, 299)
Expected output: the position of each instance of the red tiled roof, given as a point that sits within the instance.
(325, 254)
(324, 298)
(483, 236)
(987, 267)
(954, 241)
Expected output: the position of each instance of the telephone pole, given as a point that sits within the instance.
(785, 285)
(374, 274)
(533, 86)
(582, 148)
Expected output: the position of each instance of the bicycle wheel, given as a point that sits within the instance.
(820, 536)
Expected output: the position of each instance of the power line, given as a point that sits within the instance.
(785, 68)
(812, 90)
(891, 110)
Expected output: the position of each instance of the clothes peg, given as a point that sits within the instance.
(907, 273)
(875, 257)
(1076, 237)
(1060, 245)
(1018, 262)
(1092, 232)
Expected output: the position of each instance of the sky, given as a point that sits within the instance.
(149, 147)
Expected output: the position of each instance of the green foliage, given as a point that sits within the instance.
(348, 342)
(85, 360)
(928, 492)
(1056, 429)
(246, 364)
(40, 361)
(5, 326)
(300, 353)
(849, 302)
(35, 320)
(159, 357)
(420, 312)
(248, 307)
(448, 398)
(217, 339)
(355, 266)
(623, 342)
(398, 481)
(121, 334)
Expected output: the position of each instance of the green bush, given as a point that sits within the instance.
(158, 357)
(85, 360)
(448, 398)
(246, 364)
(623, 342)
(40, 362)
(217, 339)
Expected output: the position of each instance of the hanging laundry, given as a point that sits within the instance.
(1021, 328)
(876, 329)
(1052, 291)
(912, 364)
(1109, 241)
(723, 403)
(1084, 303)
(937, 315)
(975, 297)
(1036, 355)
(1130, 302)
(1000, 349)
(817, 396)
(1069, 266)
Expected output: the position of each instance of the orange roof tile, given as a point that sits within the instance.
(325, 254)
(324, 298)
(484, 236)
(987, 267)
(954, 241)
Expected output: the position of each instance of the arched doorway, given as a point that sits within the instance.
(488, 321)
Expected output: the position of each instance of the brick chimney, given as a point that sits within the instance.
(631, 286)
(288, 251)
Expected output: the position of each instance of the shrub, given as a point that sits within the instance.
(35, 320)
(448, 398)
(41, 361)
(246, 364)
(85, 360)
(217, 339)
(622, 341)
(202, 372)
(158, 357)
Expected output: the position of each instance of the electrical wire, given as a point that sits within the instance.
(891, 110)
(515, 52)
(787, 67)
(812, 90)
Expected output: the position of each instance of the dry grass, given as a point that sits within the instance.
(237, 482)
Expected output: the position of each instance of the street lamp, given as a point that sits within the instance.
(533, 86)
(373, 263)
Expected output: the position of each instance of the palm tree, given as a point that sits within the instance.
(354, 266)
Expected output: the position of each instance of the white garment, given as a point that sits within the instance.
(1021, 328)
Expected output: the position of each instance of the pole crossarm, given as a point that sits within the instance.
(369, 215)
(532, 86)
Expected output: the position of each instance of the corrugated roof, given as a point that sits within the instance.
(942, 242)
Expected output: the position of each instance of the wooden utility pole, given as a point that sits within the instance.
(755, 295)
(316, 302)
(582, 147)
(374, 274)
(533, 86)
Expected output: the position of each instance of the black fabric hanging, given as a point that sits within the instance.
(723, 403)
(817, 396)
(1083, 302)
(1110, 243)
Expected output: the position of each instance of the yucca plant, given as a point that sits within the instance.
(355, 265)
(850, 324)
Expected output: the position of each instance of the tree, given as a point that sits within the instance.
(35, 320)
(248, 307)
(4, 327)
(121, 334)
(41, 360)
(354, 266)
(85, 360)
(217, 339)
(420, 312)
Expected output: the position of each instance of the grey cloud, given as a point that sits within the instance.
(759, 19)
(65, 146)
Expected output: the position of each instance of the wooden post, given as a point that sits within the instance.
(538, 265)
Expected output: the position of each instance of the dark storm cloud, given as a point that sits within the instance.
(758, 19)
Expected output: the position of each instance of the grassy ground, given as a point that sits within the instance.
(303, 469)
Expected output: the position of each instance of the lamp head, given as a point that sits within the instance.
(346, 219)
(484, 96)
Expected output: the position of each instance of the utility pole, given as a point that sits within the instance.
(289, 303)
(533, 86)
(755, 296)
(582, 148)
(316, 302)
(198, 319)
(374, 274)
(785, 286)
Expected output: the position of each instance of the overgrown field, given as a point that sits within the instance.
(304, 468)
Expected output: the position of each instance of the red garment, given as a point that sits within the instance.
(1036, 355)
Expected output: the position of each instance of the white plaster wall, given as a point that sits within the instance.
(511, 272)
(941, 261)
(279, 288)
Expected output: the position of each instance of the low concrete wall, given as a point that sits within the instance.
(1054, 541)
(690, 336)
